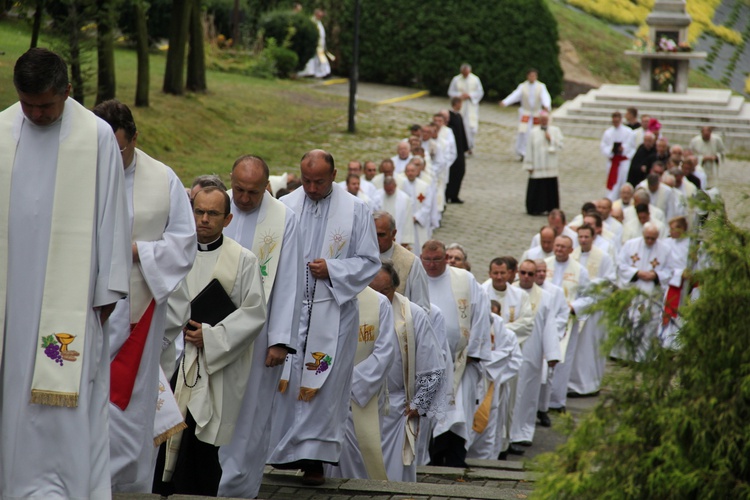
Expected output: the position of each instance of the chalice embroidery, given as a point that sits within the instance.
(56, 347)
(322, 362)
(337, 243)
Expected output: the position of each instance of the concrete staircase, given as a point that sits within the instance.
(681, 115)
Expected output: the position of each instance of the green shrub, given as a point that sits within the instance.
(677, 425)
(402, 42)
(284, 59)
(293, 31)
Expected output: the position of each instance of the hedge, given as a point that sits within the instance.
(404, 42)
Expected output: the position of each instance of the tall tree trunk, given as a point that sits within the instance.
(37, 26)
(105, 51)
(76, 64)
(236, 24)
(196, 69)
(141, 38)
(178, 34)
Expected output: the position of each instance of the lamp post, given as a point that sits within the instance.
(354, 73)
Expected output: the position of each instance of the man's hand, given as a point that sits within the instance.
(502, 105)
(105, 311)
(276, 355)
(319, 269)
(194, 333)
(647, 275)
(549, 137)
(465, 96)
(136, 257)
(411, 413)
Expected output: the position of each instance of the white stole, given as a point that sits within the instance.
(65, 302)
(151, 203)
(267, 242)
(461, 289)
(569, 284)
(322, 339)
(593, 263)
(367, 418)
(405, 330)
(197, 398)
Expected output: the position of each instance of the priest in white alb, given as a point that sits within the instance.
(377, 345)
(397, 203)
(218, 357)
(414, 382)
(421, 201)
(402, 157)
(340, 251)
(466, 310)
(533, 97)
(163, 242)
(268, 228)
(588, 366)
(62, 190)
(645, 263)
(710, 150)
(468, 87)
(412, 277)
(618, 146)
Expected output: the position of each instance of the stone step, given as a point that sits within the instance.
(630, 93)
(734, 107)
(725, 128)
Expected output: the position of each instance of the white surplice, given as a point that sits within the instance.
(535, 253)
(400, 163)
(243, 459)
(39, 456)
(542, 157)
(625, 136)
(561, 313)
(634, 229)
(314, 430)
(471, 85)
(714, 147)
(533, 97)
(516, 309)
(164, 264)
(479, 346)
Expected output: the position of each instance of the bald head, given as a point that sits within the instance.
(650, 233)
(317, 173)
(249, 179)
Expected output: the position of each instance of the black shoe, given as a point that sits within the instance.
(456, 200)
(544, 420)
(557, 410)
(503, 455)
(515, 450)
(522, 443)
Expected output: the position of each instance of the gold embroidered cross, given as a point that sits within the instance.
(635, 258)
(654, 263)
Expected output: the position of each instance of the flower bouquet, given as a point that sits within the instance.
(666, 45)
(664, 75)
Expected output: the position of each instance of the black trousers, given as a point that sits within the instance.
(455, 178)
(448, 450)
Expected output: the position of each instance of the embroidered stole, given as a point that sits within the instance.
(527, 111)
(268, 239)
(168, 420)
(402, 262)
(367, 418)
(225, 271)
(322, 338)
(569, 284)
(151, 202)
(593, 263)
(407, 343)
(461, 288)
(65, 301)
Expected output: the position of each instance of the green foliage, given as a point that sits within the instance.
(404, 43)
(293, 31)
(677, 425)
(285, 60)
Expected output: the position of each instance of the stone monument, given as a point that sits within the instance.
(665, 59)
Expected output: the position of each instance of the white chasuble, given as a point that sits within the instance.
(57, 368)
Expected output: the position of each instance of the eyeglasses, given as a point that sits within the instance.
(526, 273)
(211, 213)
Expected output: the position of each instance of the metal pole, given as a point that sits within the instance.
(354, 74)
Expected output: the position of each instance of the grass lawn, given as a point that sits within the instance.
(203, 133)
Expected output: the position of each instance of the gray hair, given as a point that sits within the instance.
(466, 66)
(380, 214)
(388, 267)
(207, 180)
(460, 248)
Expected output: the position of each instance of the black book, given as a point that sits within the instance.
(212, 304)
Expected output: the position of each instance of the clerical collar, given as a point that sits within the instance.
(207, 247)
